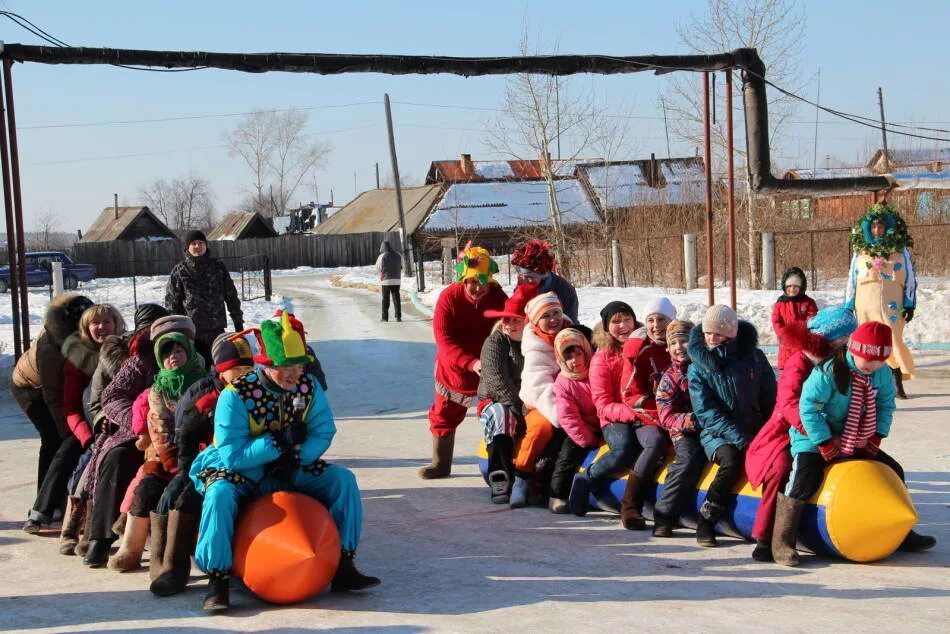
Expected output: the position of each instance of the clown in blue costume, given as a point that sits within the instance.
(271, 429)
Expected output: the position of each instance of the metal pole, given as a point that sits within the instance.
(707, 147)
(768, 260)
(402, 219)
(880, 102)
(17, 204)
(689, 261)
(730, 167)
(11, 238)
(615, 262)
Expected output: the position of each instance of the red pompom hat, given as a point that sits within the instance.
(534, 255)
(871, 341)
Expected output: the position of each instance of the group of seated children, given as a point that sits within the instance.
(551, 392)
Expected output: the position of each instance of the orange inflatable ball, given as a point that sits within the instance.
(286, 547)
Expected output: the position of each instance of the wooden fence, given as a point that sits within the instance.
(124, 259)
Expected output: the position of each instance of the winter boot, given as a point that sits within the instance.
(32, 527)
(72, 521)
(558, 506)
(632, 503)
(788, 512)
(709, 515)
(98, 554)
(519, 493)
(662, 524)
(899, 382)
(580, 493)
(915, 543)
(218, 598)
(762, 551)
(118, 526)
(500, 487)
(82, 546)
(157, 544)
(348, 578)
(176, 565)
(442, 449)
(132, 545)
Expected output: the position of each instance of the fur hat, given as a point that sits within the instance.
(564, 340)
(678, 329)
(833, 322)
(535, 256)
(515, 305)
(172, 323)
(537, 305)
(194, 235)
(283, 341)
(230, 350)
(660, 305)
(612, 308)
(871, 341)
(476, 263)
(145, 314)
(721, 320)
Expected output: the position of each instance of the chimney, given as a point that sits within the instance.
(115, 205)
(654, 172)
(468, 169)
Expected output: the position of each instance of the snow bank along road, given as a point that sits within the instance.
(451, 561)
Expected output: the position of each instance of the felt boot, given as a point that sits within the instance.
(915, 543)
(899, 382)
(82, 546)
(132, 545)
(348, 578)
(580, 492)
(157, 545)
(662, 525)
(442, 449)
(72, 522)
(176, 565)
(558, 506)
(500, 487)
(788, 512)
(519, 493)
(218, 598)
(32, 527)
(118, 526)
(632, 503)
(98, 554)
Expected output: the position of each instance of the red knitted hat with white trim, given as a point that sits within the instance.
(871, 341)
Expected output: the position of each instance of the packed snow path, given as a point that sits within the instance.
(451, 561)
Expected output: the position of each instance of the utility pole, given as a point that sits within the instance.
(880, 101)
(402, 218)
(814, 160)
(666, 126)
(557, 113)
(377, 174)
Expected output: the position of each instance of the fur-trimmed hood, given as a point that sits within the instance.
(742, 346)
(794, 270)
(82, 354)
(112, 353)
(56, 322)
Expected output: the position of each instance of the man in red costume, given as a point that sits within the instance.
(460, 328)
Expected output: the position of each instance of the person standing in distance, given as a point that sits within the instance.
(389, 270)
(200, 286)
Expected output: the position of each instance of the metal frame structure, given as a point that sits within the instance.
(744, 60)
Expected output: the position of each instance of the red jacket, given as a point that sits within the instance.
(74, 383)
(644, 363)
(460, 328)
(786, 312)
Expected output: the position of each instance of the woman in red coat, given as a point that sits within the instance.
(768, 461)
(460, 328)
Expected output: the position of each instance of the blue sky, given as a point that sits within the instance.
(75, 170)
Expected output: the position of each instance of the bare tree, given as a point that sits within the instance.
(45, 224)
(774, 27)
(184, 203)
(542, 118)
(158, 198)
(280, 154)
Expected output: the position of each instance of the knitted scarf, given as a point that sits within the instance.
(173, 383)
(861, 423)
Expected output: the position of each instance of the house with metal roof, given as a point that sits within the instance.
(377, 210)
(127, 223)
(241, 225)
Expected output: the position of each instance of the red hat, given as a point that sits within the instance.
(871, 341)
(514, 305)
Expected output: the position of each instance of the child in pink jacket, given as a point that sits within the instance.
(575, 411)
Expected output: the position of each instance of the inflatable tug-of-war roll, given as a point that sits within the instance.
(862, 512)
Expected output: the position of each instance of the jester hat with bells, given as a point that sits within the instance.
(476, 263)
(282, 342)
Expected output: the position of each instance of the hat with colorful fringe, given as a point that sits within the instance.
(476, 263)
(282, 341)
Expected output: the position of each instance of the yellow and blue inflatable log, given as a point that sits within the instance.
(862, 512)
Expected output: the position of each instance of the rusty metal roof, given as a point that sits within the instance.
(466, 170)
(237, 224)
(126, 223)
(376, 210)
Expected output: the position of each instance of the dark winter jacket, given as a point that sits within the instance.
(789, 311)
(564, 291)
(389, 265)
(200, 288)
(732, 388)
(194, 419)
(672, 399)
(502, 363)
(41, 367)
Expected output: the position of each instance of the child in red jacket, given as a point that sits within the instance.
(793, 307)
